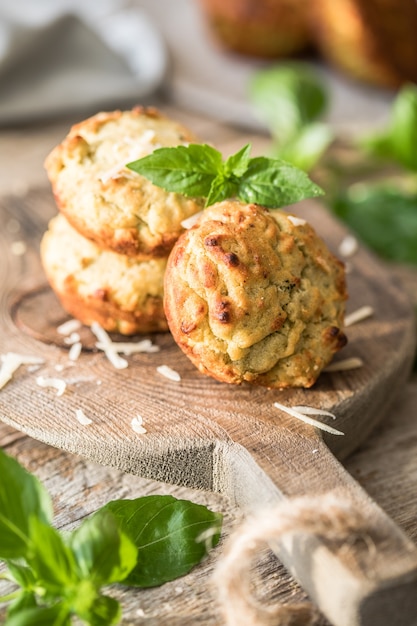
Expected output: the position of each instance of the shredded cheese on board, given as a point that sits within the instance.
(127, 348)
(11, 361)
(82, 417)
(75, 351)
(168, 372)
(348, 246)
(57, 383)
(137, 425)
(352, 363)
(309, 410)
(308, 420)
(107, 346)
(359, 315)
(69, 327)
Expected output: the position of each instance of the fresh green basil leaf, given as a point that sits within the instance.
(50, 559)
(21, 496)
(104, 611)
(167, 533)
(384, 218)
(404, 127)
(398, 141)
(189, 170)
(222, 189)
(287, 97)
(104, 554)
(306, 148)
(55, 615)
(274, 184)
(25, 600)
(237, 163)
(21, 574)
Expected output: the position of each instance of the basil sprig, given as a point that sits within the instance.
(198, 170)
(290, 100)
(398, 139)
(142, 542)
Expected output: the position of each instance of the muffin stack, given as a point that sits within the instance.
(106, 251)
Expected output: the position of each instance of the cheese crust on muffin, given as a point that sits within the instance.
(105, 201)
(121, 293)
(252, 295)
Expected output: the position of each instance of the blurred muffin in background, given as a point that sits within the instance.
(263, 28)
(371, 40)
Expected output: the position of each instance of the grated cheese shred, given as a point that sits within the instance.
(348, 246)
(191, 221)
(82, 417)
(69, 327)
(308, 420)
(169, 373)
(351, 363)
(137, 425)
(75, 351)
(11, 361)
(359, 315)
(297, 221)
(57, 383)
(127, 348)
(107, 346)
(309, 410)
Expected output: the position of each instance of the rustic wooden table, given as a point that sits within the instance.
(386, 465)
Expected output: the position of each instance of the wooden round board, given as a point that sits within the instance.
(205, 434)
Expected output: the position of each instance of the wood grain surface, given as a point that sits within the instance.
(385, 465)
(206, 435)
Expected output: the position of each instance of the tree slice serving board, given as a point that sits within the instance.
(209, 435)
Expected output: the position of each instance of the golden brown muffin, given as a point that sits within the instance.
(265, 28)
(256, 296)
(119, 292)
(372, 40)
(106, 202)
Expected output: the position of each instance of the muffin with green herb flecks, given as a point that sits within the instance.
(105, 201)
(255, 296)
(121, 293)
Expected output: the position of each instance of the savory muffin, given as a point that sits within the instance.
(105, 201)
(372, 40)
(119, 292)
(256, 296)
(264, 28)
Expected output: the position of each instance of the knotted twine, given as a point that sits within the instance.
(327, 516)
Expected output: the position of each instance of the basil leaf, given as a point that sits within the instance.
(404, 127)
(238, 163)
(274, 184)
(103, 553)
(21, 496)
(51, 561)
(25, 600)
(398, 142)
(104, 611)
(307, 146)
(189, 170)
(385, 218)
(166, 532)
(55, 615)
(222, 189)
(22, 575)
(287, 97)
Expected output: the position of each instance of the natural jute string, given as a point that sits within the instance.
(326, 516)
